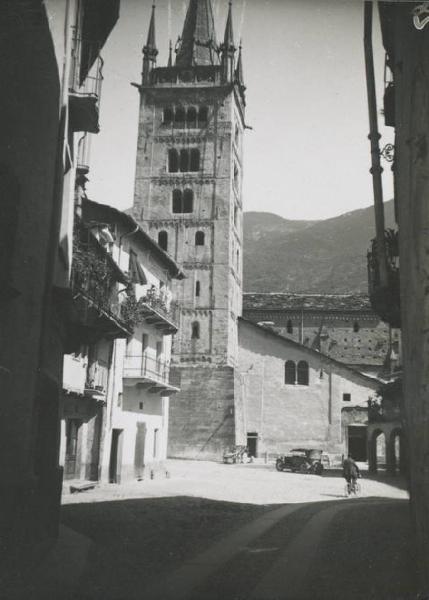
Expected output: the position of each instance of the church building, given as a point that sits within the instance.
(188, 198)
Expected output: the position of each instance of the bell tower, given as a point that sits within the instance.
(188, 197)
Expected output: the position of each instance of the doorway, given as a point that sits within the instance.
(357, 444)
(116, 456)
(252, 444)
(72, 457)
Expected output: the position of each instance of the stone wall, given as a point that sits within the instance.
(292, 416)
(202, 415)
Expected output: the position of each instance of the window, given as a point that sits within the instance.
(145, 342)
(347, 397)
(135, 270)
(173, 160)
(290, 372)
(199, 238)
(289, 326)
(163, 240)
(195, 160)
(303, 377)
(177, 201)
(183, 201)
(155, 442)
(203, 116)
(191, 117)
(185, 162)
(141, 405)
(168, 116)
(179, 117)
(197, 289)
(195, 331)
(356, 327)
(188, 201)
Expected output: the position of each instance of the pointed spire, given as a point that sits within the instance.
(239, 78)
(228, 40)
(228, 49)
(150, 51)
(170, 55)
(150, 48)
(198, 42)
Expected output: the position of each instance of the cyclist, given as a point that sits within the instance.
(350, 473)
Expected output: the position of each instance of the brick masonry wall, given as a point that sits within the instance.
(202, 415)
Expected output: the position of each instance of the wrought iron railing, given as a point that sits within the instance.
(94, 275)
(384, 297)
(146, 367)
(83, 80)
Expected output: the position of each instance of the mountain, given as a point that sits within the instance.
(326, 256)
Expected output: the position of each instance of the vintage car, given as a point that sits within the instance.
(303, 460)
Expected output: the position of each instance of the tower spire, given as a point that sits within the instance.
(170, 54)
(228, 49)
(239, 78)
(198, 41)
(150, 51)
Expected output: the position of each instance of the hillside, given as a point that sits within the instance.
(326, 256)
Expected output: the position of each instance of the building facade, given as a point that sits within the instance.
(52, 48)
(342, 326)
(296, 397)
(130, 369)
(400, 283)
(188, 198)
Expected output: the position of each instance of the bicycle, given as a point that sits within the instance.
(352, 487)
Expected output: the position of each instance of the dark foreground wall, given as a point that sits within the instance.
(202, 419)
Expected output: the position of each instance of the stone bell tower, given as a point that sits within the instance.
(188, 197)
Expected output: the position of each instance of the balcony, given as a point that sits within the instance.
(94, 281)
(84, 94)
(385, 299)
(149, 373)
(96, 379)
(153, 309)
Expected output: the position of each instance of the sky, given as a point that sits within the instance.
(307, 155)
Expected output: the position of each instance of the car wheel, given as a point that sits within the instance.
(303, 468)
(279, 465)
(318, 469)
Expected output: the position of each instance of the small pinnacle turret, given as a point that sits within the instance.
(228, 49)
(239, 77)
(150, 51)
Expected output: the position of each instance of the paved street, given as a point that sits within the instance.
(191, 539)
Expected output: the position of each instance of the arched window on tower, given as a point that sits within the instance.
(195, 160)
(203, 114)
(290, 372)
(197, 289)
(188, 201)
(163, 240)
(173, 160)
(199, 238)
(168, 116)
(179, 117)
(191, 117)
(303, 375)
(177, 201)
(184, 160)
(195, 335)
(356, 327)
(289, 326)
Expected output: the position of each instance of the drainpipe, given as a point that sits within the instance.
(374, 137)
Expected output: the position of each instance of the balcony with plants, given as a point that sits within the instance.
(385, 295)
(95, 281)
(150, 373)
(153, 308)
